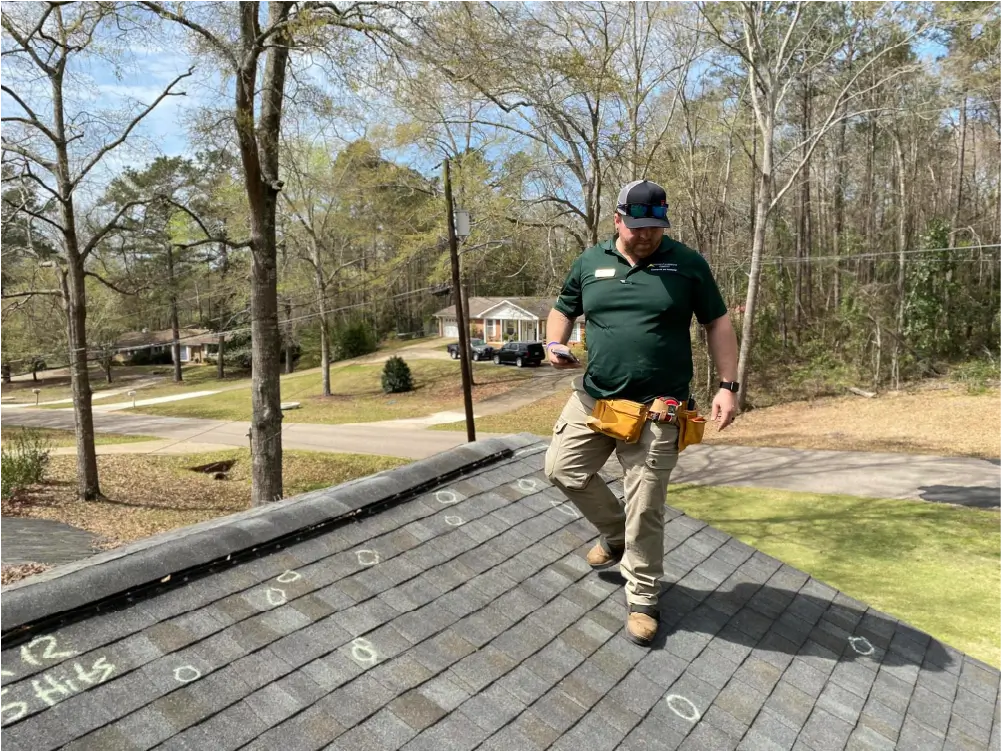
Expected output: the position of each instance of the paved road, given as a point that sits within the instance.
(412, 443)
(971, 482)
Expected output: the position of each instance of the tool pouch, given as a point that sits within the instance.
(619, 418)
(691, 428)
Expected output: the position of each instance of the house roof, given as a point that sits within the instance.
(539, 306)
(446, 604)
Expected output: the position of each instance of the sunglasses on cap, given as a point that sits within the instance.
(643, 210)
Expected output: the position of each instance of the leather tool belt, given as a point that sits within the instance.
(623, 419)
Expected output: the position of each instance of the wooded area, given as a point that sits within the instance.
(838, 165)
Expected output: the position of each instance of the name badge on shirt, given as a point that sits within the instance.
(603, 273)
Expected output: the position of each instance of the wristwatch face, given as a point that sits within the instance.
(730, 385)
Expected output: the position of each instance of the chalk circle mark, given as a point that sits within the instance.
(527, 485)
(187, 673)
(368, 557)
(446, 497)
(453, 521)
(861, 645)
(288, 577)
(683, 707)
(363, 651)
(564, 508)
(276, 596)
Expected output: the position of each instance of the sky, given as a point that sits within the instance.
(145, 71)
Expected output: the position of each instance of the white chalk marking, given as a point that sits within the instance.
(276, 596)
(446, 497)
(368, 557)
(55, 688)
(49, 653)
(19, 708)
(454, 521)
(564, 508)
(527, 485)
(99, 672)
(687, 711)
(363, 651)
(6, 673)
(187, 673)
(289, 576)
(861, 645)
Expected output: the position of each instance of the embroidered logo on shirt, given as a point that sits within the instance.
(603, 273)
(662, 268)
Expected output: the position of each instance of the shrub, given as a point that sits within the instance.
(23, 461)
(354, 339)
(149, 357)
(396, 376)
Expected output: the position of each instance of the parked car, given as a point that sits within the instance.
(481, 350)
(521, 354)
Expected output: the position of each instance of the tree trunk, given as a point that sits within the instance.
(175, 329)
(324, 325)
(75, 296)
(901, 248)
(88, 487)
(259, 154)
(221, 357)
(958, 205)
(764, 197)
(840, 167)
(288, 336)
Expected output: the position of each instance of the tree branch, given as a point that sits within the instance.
(111, 285)
(125, 134)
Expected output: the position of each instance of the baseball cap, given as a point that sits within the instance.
(645, 193)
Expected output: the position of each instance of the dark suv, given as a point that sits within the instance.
(520, 353)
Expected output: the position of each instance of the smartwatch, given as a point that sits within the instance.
(730, 386)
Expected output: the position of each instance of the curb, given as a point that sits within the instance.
(63, 592)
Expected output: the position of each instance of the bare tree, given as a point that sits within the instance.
(777, 46)
(56, 150)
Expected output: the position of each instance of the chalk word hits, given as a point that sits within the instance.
(368, 557)
(683, 708)
(49, 689)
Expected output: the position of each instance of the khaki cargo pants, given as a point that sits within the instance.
(575, 456)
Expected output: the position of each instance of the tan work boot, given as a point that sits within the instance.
(641, 629)
(599, 557)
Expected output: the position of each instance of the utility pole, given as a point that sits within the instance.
(460, 315)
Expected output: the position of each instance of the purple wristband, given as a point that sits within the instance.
(552, 343)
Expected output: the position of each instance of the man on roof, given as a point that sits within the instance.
(638, 292)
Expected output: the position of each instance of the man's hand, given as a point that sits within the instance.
(562, 363)
(724, 408)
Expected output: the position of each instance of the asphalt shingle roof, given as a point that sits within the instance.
(403, 611)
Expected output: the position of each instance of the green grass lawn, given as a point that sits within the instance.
(63, 438)
(932, 565)
(358, 395)
(538, 418)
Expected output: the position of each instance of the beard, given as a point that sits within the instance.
(642, 245)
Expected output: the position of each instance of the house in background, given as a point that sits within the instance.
(196, 344)
(500, 319)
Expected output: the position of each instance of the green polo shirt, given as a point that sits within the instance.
(639, 318)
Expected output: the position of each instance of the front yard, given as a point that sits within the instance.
(930, 564)
(358, 395)
(147, 495)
